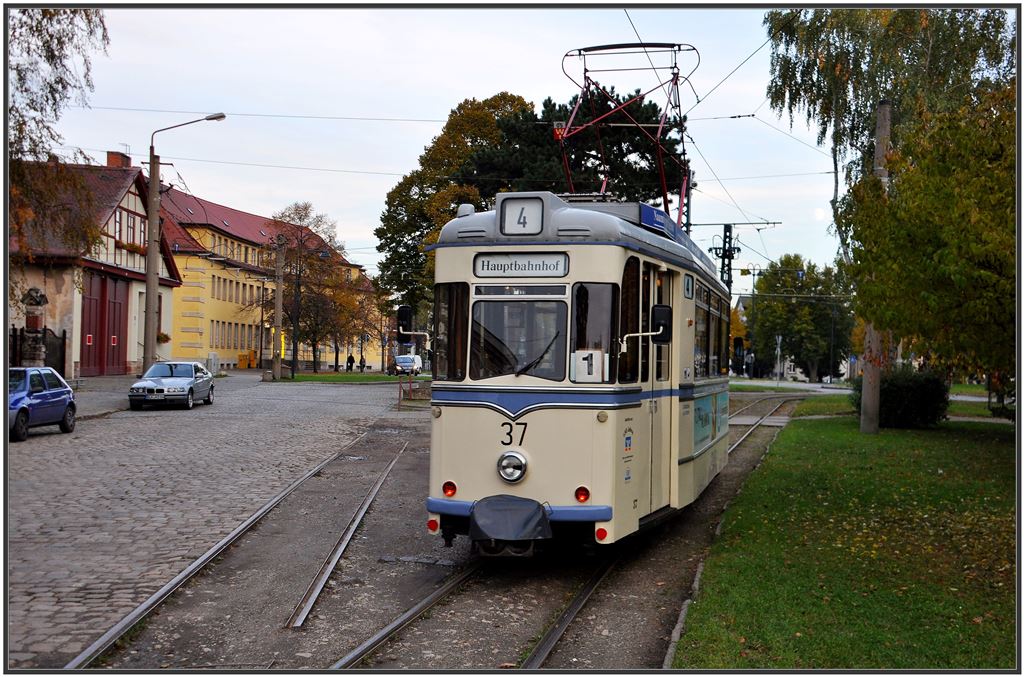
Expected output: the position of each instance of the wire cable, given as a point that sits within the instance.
(263, 115)
(782, 131)
(715, 174)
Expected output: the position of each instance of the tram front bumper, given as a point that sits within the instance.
(508, 518)
(461, 510)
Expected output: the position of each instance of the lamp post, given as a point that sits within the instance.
(153, 245)
(280, 241)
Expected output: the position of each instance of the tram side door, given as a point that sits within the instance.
(658, 385)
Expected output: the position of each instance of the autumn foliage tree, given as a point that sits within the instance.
(48, 67)
(426, 198)
(932, 259)
(936, 259)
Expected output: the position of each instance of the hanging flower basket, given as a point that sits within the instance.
(162, 337)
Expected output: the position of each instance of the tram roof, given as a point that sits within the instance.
(633, 225)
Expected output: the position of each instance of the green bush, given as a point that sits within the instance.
(908, 398)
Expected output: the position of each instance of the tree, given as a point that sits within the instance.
(527, 157)
(48, 66)
(935, 261)
(313, 261)
(426, 198)
(835, 65)
(807, 307)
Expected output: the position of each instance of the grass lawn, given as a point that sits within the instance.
(838, 405)
(825, 405)
(349, 377)
(968, 389)
(845, 551)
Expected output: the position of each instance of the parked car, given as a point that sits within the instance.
(38, 396)
(172, 383)
(406, 364)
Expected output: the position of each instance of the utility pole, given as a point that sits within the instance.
(689, 193)
(727, 252)
(278, 303)
(871, 385)
(150, 327)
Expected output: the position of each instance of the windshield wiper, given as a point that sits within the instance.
(535, 361)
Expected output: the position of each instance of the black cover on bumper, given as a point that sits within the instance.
(508, 518)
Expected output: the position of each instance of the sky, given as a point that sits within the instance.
(298, 85)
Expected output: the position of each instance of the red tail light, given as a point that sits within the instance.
(582, 494)
(601, 533)
(449, 489)
(432, 525)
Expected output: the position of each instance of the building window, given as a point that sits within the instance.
(131, 228)
(117, 224)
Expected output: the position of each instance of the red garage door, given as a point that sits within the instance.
(104, 325)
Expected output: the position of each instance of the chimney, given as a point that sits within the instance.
(118, 159)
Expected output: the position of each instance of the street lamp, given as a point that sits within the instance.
(153, 245)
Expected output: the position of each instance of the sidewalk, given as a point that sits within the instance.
(98, 396)
(101, 395)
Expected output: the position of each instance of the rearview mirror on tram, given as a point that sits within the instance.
(661, 328)
(661, 324)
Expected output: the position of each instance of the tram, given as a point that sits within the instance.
(580, 381)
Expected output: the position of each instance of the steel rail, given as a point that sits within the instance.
(316, 586)
(547, 643)
(96, 649)
(759, 401)
(360, 652)
(759, 421)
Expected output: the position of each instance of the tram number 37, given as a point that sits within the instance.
(509, 429)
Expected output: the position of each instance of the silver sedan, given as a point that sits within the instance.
(172, 382)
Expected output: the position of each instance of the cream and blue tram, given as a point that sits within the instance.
(579, 372)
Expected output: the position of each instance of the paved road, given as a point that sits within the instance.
(99, 519)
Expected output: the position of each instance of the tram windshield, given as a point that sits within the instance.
(518, 337)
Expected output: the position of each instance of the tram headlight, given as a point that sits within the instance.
(512, 466)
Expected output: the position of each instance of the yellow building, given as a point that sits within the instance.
(226, 261)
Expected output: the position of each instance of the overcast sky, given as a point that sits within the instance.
(266, 68)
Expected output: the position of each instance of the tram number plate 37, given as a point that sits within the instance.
(509, 433)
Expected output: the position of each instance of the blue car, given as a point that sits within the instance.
(38, 396)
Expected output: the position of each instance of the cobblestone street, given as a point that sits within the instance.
(99, 519)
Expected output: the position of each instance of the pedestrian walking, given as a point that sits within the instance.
(362, 363)
(349, 362)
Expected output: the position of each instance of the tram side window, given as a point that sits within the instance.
(595, 351)
(451, 315)
(700, 337)
(663, 295)
(629, 321)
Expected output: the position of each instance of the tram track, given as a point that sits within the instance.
(130, 622)
(551, 598)
(558, 625)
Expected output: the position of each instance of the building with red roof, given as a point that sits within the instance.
(224, 312)
(94, 294)
(217, 281)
